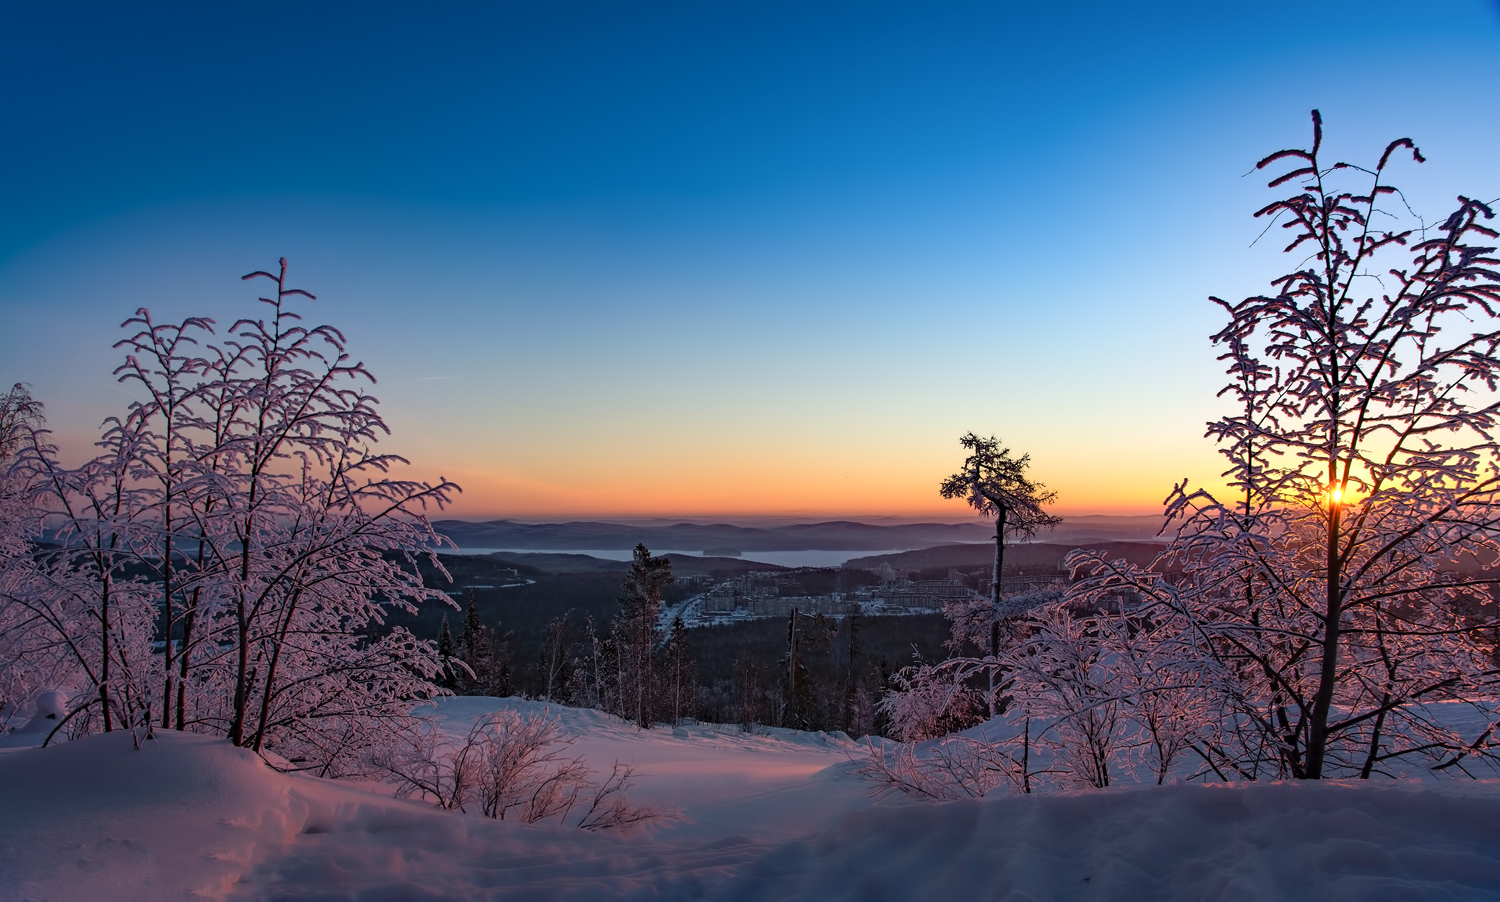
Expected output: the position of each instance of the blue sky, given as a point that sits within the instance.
(635, 258)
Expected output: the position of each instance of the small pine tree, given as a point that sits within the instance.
(500, 677)
(474, 650)
(637, 634)
(445, 652)
(679, 682)
(849, 718)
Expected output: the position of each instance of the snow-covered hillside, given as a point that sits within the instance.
(773, 815)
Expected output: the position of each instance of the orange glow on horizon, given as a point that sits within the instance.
(566, 471)
(488, 495)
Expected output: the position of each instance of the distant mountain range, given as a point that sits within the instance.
(837, 535)
(727, 538)
(543, 562)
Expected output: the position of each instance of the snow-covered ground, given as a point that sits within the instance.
(772, 815)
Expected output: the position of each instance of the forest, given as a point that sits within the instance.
(738, 671)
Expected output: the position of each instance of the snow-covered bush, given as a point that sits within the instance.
(953, 767)
(509, 764)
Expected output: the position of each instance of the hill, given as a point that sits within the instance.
(531, 563)
(1034, 554)
(771, 815)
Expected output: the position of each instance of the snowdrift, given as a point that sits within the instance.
(771, 815)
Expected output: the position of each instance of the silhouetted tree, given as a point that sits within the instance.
(996, 485)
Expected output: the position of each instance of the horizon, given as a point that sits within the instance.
(778, 519)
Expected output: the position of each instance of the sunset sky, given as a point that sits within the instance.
(712, 259)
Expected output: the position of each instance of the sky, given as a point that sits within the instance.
(630, 259)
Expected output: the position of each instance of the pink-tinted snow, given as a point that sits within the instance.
(765, 816)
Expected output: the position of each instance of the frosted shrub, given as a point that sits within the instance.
(510, 765)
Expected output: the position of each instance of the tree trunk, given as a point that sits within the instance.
(995, 595)
(1317, 731)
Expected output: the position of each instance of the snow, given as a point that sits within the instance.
(47, 709)
(768, 815)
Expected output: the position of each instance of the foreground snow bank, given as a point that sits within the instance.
(99, 819)
(1240, 842)
(767, 816)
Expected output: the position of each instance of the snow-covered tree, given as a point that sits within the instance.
(474, 649)
(446, 653)
(30, 654)
(1341, 598)
(1334, 614)
(238, 516)
(19, 413)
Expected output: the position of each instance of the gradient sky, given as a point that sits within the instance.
(635, 259)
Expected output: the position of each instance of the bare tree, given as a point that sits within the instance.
(556, 644)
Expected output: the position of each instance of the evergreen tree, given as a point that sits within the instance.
(848, 716)
(637, 634)
(445, 652)
(680, 682)
(996, 485)
(500, 677)
(475, 651)
(799, 702)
